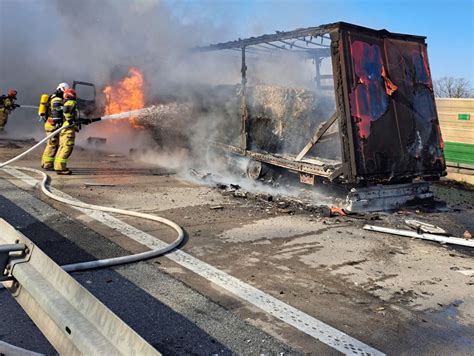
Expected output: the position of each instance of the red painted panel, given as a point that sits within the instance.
(369, 100)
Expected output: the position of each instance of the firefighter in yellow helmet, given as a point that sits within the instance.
(53, 121)
(7, 105)
(68, 135)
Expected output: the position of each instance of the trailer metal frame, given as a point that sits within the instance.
(335, 41)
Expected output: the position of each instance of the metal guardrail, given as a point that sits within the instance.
(71, 318)
(11, 350)
(9, 252)
(469, 168)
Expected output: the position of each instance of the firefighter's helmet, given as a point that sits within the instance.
(63, 87)
(12, 93)
(69, 94)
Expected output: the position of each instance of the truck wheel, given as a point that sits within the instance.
(255, 169)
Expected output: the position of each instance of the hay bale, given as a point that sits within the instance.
(168, 122)
(281, 120)
(292, 115)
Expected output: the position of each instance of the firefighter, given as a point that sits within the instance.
(7, 105)
(53, 121)
(67, 136)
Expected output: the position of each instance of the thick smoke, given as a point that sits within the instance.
(43, 43)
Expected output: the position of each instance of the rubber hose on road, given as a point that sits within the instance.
(108, 261)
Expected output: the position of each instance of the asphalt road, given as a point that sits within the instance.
(171, 316)
(253, 277)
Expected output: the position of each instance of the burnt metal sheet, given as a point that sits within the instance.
(392, 114)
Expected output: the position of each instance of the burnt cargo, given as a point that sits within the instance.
(385, 116)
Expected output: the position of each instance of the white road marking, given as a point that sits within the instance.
(285, 312)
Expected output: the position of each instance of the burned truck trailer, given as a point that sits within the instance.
(383, 116)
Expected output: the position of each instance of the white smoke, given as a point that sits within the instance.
(43, 43)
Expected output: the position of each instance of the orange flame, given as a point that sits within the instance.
(126, 95)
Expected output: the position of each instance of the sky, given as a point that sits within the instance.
(90, 40)
(448, 25)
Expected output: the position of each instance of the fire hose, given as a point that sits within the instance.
(108, 261)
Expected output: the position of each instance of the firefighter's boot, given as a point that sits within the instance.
(66, 172)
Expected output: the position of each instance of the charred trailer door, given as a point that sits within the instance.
(389, 112)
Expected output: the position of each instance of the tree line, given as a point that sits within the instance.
(450, 87)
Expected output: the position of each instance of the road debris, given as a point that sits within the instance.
(96, 141)
(16, 143)
(221, 186)
(425, 236)
(421, 227)
(239, 194)
(467, 235)
(202, 176)
(90, 184)
(217, 207)
(336, 211)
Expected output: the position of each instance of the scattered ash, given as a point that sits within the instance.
(458, 196)
(448, 183)
(280, 204)
(276, 203)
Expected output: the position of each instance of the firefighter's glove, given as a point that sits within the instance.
(76, 124)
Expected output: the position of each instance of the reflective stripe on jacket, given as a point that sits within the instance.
(70, 110)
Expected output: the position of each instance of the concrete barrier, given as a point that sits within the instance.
(456, 118)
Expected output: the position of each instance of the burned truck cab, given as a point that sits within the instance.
(86, 98)
(371, 96)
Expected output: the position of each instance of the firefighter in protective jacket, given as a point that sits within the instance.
(7, 105)
(53, 121)
(68, 135)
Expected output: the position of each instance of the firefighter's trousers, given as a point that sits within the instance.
(3, 119)
(51, 149)
(66, 145)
